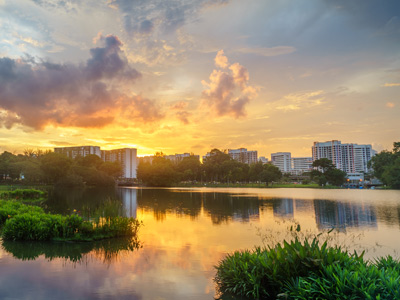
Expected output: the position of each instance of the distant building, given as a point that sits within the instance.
(263, 159)
(178, 157)
(282, 160)
(244, 156)
(83, 151)
(126, 156)
(300, 165)
(351, 158)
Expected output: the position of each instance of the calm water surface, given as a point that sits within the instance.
(185, 233)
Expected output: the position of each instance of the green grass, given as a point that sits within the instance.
(257, 185)
(307, 270)
(25, 222)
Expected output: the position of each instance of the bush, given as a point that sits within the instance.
(23, 194)
(9, 209)
(262, 273)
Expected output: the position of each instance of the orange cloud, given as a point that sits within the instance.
(228, 91)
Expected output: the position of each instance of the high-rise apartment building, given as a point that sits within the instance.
(301, 164)
(83, 151)
(282, 160)
(126, 156)
(178, 157)
(351, 158)
(244, 156)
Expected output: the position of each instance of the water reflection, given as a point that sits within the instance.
(331, 214)
(106, 251)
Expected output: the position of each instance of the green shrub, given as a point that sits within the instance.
(23, 194)
(24, 222)
(261, 274)
(307, 271)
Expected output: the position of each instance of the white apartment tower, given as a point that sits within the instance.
(282, 160)
(244, 156)
(127, 157)
(301, 165)
(351, 158)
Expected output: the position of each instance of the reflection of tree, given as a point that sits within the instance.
(339, 214)
(221, 207)
(162, 201)
(87, 200)
(104, 250)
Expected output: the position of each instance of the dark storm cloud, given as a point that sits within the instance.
(37, 93)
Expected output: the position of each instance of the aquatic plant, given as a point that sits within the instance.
(307, 270)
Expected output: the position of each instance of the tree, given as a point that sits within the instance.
(323, 164)
(386, 166)
(391, 174)
(335, 176)
(159, 173)
(55, 166)
(190, 168)
(270, 173)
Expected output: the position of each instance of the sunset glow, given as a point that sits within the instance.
(188, 76)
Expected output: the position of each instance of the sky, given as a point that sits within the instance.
(191, 75)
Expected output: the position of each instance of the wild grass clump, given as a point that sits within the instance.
(307, 270)
(24, 195)
(24, 222)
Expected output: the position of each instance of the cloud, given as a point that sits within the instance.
(221, 60)
(180, 111)
(391, 84)
(390, 104)
(274, 51)
(40, 93)
(296, 101)
(228, 91)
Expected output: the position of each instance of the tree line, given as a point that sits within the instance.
(218, 167)
(386, 166)
(46, 167)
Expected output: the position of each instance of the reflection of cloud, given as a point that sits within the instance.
(38, 93)
(228, 91)
(296, 101)
(273, 51)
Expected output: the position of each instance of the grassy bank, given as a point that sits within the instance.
(257, 185)
(24, 222)
(306, 270)
(24, 195)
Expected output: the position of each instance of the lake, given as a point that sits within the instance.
(185, 233)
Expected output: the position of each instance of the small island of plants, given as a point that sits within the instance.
(307, 270)
(19, 221)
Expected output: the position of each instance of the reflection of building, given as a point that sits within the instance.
(126, 157)
(329, 214)
(282, 160)
(283, 208)
(244, 156)
(83, 151)
(129, 198)
(351, 158)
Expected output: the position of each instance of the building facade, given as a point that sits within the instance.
(351, 158)
(83, 151)
(300, 165)
(282, 160)
(243, 156)
(176, 158)
(127, 157)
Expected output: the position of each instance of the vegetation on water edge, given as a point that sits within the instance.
(24, 222)
(307, 270)
(24, 195)
(256, 185)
